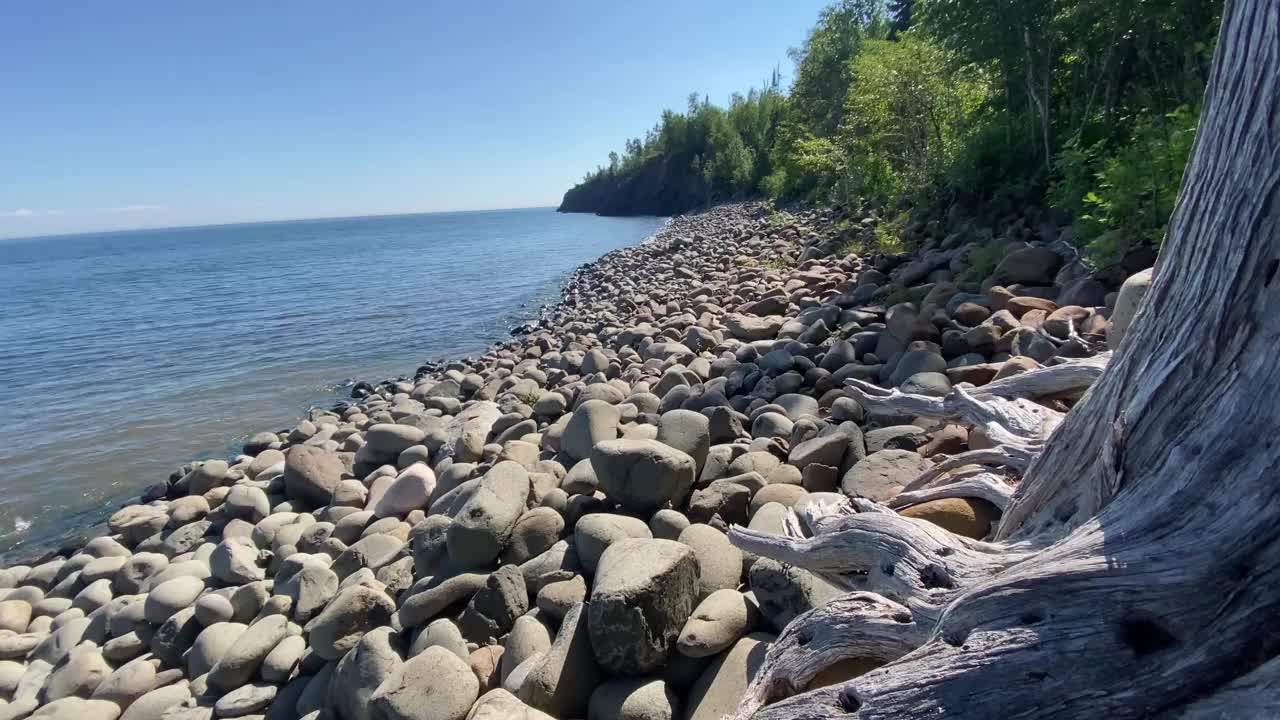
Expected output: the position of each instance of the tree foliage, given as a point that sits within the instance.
(1087, 105)
(823, 74)
(1093, 99)
(906, 116)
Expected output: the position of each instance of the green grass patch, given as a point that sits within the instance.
(983, 260)
(897, 294)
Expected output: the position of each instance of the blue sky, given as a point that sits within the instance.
(147, 114)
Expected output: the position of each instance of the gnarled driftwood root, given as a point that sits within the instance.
(857, 626)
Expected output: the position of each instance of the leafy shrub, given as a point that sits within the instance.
(983, 260)
(887, 238)
(1122, 200)
(776, 263)
(889, 235)
(777, 220)
(995, 160)
(806, 167)
(896, 294)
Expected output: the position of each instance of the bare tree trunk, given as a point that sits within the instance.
(1136, 571)
(1041, 102)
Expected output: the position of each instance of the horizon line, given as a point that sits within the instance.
(198, 226)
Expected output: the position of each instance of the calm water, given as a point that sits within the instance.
(123, 355)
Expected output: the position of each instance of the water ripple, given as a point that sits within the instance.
(123, 355)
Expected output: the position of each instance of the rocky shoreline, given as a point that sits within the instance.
(542, 531)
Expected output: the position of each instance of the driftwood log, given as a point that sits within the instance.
(1136, 569)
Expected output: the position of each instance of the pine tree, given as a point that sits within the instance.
(901, 10)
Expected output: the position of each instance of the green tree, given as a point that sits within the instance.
(901, 13)
(805, 161)
(1083, 104)
(822, 63)
(906, 115)
(731, 169)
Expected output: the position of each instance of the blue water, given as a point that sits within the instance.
(125, 354)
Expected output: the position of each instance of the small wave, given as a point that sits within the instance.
(21, 524)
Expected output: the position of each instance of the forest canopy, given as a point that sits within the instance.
(1082, 106)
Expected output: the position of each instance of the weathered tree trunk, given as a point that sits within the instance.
(1136, 570)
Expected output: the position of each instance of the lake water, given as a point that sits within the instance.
(123, 355)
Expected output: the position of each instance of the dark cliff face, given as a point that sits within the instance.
(662, 186)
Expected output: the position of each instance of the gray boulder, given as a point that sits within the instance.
(210, 645)
(428, 543)
(372, 551)
(827, 449)
(79, 675)
(173, 638)
(1029, 265)
(278, 665)
(883, 474)
(441, 633)
(721, 686)
(534, 533)
(468, 430)
(594, 534)
(557, 598)
(495, 607)
(308, 583)
(346, 619)
(241, 661)
(500, 704)
(643, 475)
(153, 705)
(667, 524)
(246, 502)
(645, 591)
(359, 673)
(633, 699)
(421, 607)
(917, 361)
(483, 525)
(581, 479)
(212, 609)
(592, 422)
(784, 592)
(717, 623)
(729, 501)
(1132, 292)
(719, 561)
(436, 685)
(751, 328)
(135, 576)
(127, 683)
(389, 440)
(235, 561)
(529, 637)
(561, 681)
(169, 597)
(411, 490)
(245, 700)
(556, 564)
(687, 431)
(310, 474)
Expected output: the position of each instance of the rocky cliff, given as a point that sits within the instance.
(662, 186)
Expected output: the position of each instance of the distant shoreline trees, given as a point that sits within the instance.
(1087, 107)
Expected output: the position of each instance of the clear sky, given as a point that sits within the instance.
(146, 113)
